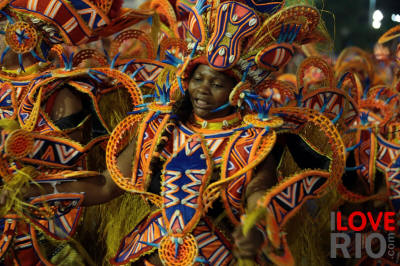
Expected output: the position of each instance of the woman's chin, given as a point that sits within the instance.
(203, 114)
(208, 115)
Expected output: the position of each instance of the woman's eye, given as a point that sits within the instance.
(217, 85)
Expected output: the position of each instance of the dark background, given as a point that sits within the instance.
(353, 21)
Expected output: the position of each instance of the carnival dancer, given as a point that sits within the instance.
(372, 173)
(205, 162)
(54, 120)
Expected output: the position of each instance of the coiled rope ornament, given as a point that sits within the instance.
(19, 144)
(178, 250)
(21, 37)
(272, 121)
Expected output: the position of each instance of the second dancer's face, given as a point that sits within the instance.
(210, 89)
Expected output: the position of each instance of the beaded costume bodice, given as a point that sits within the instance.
(190, 157)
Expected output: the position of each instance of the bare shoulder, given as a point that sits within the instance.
(66, 103)
(264, 176)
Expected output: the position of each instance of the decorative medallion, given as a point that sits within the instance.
(21, 37)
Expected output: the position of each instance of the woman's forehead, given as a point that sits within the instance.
(207, 70)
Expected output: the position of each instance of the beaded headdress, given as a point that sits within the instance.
(244, 38)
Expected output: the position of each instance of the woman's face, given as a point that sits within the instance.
(208, 90)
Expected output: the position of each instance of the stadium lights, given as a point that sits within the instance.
(376, 24)
(396, 18)
(377, 17)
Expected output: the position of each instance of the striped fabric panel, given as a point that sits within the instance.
(213, 247)
(135, 244)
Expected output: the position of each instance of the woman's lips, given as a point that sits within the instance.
(201, 103)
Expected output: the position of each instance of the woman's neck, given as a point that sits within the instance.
(220, 123)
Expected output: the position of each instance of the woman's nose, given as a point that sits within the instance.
(204, 87)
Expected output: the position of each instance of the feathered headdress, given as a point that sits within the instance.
(246, 39)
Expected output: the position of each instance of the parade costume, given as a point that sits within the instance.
(206, 163)
(372, 143)
(38, 150)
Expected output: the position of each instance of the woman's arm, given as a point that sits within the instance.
(264, 178)
(98, 189)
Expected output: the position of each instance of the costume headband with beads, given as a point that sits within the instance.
(245, 39)
(229, 31)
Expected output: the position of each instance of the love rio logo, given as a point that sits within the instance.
(374, 234)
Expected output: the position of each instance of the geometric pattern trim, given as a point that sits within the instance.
(136, 243)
